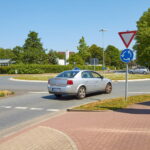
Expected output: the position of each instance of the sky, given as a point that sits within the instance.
(61, 23)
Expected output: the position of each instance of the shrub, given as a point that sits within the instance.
(37, 69)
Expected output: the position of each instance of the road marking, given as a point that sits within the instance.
(141, 92)
(6, 106)
(36, 108)
(21, 108)
(38, 92)
(52, 110)
(28, 108)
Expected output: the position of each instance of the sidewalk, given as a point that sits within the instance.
(127, 129)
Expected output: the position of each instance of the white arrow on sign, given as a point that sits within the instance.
(127, 37)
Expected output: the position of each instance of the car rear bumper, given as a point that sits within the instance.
(61, 90)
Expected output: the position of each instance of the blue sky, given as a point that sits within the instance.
(61, 23)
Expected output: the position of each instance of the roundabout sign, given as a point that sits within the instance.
(126, 55)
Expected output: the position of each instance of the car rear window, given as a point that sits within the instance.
(68, 74)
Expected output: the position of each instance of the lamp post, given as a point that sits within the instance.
(103, 30)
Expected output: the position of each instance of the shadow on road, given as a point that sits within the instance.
(72, 97)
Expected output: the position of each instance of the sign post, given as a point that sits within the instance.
(127, 54)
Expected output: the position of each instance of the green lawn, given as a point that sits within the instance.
(112, 76)
(114, 104)
(115, 76)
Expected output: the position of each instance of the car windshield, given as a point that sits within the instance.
(68, 74)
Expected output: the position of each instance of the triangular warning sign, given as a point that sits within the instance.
(127, 37)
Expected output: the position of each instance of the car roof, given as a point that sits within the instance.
(81, 70)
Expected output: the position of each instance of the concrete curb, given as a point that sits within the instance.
(81, 110)
(134, 80)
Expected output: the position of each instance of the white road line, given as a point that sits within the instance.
(33, 108)
(36, 108)
(140, 92)
(52, 110)
(38, 92)
(21, 108)
(6, 106)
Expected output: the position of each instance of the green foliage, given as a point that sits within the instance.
(52, 57)
(37, 68)
(142, 45)
(18, 54)
(112, 57)
(76, 59)
(60, 55)
(6, 54)
(83, 49)
(96, 52)
(33, 49)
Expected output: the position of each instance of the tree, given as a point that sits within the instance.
(52, 57)
(142, 45)
(18, 54)
(112, 56)
(6, 54)
(76, 59)
(96, 52)
(33, 49)
(83, 49)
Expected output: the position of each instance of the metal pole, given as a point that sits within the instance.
(94, 64)
(126, 83)
(103, 30)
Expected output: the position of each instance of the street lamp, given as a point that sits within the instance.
(103, 30)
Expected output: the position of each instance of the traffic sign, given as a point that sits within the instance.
(126, 55)
(127, 37)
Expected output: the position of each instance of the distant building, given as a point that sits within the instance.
(5, 62)
(66, 56)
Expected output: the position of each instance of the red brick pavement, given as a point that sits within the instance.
(127, 129)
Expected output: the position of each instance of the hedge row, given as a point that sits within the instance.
(36, 69)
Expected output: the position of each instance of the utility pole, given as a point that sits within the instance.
(103, 46)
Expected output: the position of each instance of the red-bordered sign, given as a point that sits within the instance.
(127, 37)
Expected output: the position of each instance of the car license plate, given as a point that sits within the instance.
(56, 89)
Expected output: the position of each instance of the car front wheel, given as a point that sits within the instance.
(108, 88)
(81, 93)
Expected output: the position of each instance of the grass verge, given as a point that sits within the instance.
(115, 76)
(112, 76)
(42, 77)
(5, 93)
(114, 104)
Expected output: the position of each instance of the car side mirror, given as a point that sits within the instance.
(102, 77)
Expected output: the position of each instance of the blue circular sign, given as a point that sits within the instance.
(126, 55)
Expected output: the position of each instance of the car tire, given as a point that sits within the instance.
(131, 72)
(58, 95)
(81, 93)
(144, 72)
(108, 88)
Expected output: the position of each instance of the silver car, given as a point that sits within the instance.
(139, 70)
(79, 83)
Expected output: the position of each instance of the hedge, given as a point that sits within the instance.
(36, 68)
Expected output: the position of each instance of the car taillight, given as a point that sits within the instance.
(69, 82)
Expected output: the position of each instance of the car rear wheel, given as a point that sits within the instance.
(58, 95)
(81, 93)
(108, 88)
(131, 72)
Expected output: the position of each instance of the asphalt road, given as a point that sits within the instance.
(33, 101)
